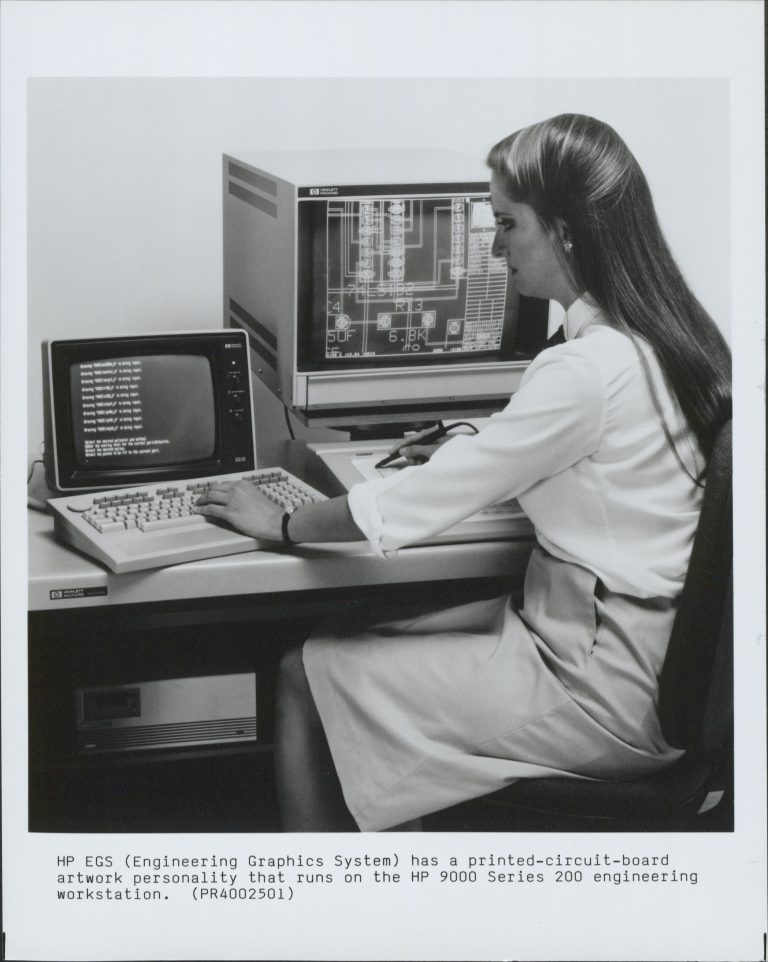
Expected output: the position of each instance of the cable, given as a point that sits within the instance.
(460, 424)
(288, 422)
(32, 468)
(38, 493)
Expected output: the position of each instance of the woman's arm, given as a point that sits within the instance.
(555, 419)
(242, 505)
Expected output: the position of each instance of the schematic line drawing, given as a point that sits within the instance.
(412, 275)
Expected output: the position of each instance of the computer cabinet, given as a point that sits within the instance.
(216, 786)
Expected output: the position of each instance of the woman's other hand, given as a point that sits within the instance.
(412, 452)
(420, 453)
(241, 504)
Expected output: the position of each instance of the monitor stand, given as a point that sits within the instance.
(387, 431)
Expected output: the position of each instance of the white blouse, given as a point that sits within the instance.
(581, 447)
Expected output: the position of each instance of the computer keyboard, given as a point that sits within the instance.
(132, 529)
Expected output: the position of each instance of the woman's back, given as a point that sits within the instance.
(626, 510)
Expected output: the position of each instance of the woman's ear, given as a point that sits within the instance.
(562, 230)
(563, 237)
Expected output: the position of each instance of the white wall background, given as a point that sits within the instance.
(124, 179)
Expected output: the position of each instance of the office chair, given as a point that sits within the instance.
(695, 709)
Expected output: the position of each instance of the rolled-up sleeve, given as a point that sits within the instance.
(555, 419)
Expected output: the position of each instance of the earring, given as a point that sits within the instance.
(568, 246)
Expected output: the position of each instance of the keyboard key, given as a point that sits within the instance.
(104, 527)
(160, 523)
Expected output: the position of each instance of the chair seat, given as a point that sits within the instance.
(677, 790)
(665, 801)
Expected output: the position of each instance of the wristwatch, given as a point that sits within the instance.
(284, 525)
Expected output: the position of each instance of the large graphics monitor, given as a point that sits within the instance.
(368, 288)
(137, 409)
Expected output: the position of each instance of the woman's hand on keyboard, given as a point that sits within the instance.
(242, 505)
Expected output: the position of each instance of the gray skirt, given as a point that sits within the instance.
(442, 706)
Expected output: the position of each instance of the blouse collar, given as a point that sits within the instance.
(579, 316)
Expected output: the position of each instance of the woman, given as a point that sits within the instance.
(605, 444)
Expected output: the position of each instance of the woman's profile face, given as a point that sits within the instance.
(528, 250)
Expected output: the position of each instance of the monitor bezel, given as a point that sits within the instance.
(234, 445)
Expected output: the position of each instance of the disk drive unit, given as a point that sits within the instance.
(172, 713)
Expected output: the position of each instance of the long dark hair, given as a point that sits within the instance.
(580, 177)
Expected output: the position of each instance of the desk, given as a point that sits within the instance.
(61, 579)
(88, 626)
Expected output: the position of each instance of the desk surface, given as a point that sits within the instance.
(61, 578)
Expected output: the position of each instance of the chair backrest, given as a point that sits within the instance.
(696, 685)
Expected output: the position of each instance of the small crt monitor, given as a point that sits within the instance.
(136, 409)
(367, 283)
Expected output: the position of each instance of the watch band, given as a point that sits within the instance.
(284, 528)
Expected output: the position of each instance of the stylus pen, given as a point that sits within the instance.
(437, 432)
